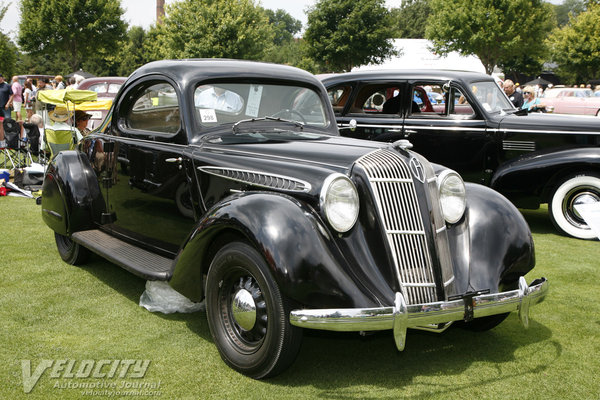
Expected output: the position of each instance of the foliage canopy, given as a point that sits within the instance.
(411, 18)
(213, 28)
(495, 31)
(576, 46)
(342, 34)
(70, 30)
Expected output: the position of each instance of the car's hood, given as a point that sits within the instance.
(550, 123)
(308, 160)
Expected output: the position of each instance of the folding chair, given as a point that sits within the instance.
(59, 137)
(12, 150)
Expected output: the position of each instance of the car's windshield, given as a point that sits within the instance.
(491, 97)
(225, 104)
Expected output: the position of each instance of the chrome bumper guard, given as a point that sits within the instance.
(401, 316)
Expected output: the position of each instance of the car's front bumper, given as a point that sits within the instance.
(401, 316)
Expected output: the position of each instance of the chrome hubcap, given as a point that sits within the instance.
(578, 197)
(243, 309)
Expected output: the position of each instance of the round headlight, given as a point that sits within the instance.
(453, 200)
(339, 201)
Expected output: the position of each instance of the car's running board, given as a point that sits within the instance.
(138, 261)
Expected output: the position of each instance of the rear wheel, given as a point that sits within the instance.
(573, 191)
(247, 315)
(71, 252)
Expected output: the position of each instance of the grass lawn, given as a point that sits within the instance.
(52, 311)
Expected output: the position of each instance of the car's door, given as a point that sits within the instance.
(374, 105)
(146, 181)
(452, 133)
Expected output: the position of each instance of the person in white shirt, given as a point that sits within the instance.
(214, 97)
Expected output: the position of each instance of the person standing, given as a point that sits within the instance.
(530, 101)
(59, 82)
(4, 110)
(515, 97)
(27, 99)
(42, 85)
(16, 99)
(5, 93)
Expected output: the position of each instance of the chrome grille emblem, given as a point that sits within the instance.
(417, 169)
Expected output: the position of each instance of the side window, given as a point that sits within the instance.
(374, 100)
(428, 100)
(338, 96)
(155, 109)
(98, 88)
(460, 106)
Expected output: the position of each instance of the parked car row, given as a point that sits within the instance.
(566, 100)
(229, 180)
(530, 158)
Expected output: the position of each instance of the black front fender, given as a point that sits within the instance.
(71, 198)
(302, 255)
(493, 246)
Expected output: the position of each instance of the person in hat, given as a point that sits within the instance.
(81, 121)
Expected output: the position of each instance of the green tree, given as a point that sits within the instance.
(284, 26)
(342, 34)
(411, 18)
(8, 50)
(71, 30)
(132, 54)
(212, 28)
(576, 46)
(495, 31)
(567, 8)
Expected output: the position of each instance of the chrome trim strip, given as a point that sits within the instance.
(402, 316)
(518, 145)
(260, 179)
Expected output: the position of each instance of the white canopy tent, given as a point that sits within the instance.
(417, 54)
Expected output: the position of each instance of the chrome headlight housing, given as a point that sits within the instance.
(453, 196)
(339, 201)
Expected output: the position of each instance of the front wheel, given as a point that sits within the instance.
(247, 315)
(573, 191)
(71, 252)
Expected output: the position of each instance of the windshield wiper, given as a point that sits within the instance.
(236, 127)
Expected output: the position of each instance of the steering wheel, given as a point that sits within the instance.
(291, 113)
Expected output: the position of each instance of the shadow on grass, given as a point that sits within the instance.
(427, 364)
(131, 287)
(539, 221)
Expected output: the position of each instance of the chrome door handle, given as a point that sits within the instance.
(394, 130)
(174, 160)
(409, 131)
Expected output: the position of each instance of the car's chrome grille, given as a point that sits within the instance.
(396, 200)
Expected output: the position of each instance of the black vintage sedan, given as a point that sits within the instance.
(291, 225)
(465, 121)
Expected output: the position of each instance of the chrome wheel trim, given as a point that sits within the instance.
(243, 309)
(577, 196)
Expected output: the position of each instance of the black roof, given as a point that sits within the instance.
(214, 68)
(421, 74)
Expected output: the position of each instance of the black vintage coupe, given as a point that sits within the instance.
(465, 121)
(290, 226)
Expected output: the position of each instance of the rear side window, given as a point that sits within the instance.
(155, 109)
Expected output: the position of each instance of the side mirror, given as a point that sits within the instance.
(351, 125)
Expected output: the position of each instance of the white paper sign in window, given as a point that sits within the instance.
(208, 115)
(254, 97)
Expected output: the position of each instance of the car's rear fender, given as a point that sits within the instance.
(71, 199)
(528, 181)
(301, 253)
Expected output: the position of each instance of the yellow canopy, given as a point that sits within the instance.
(103, 104)
(64, 96)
